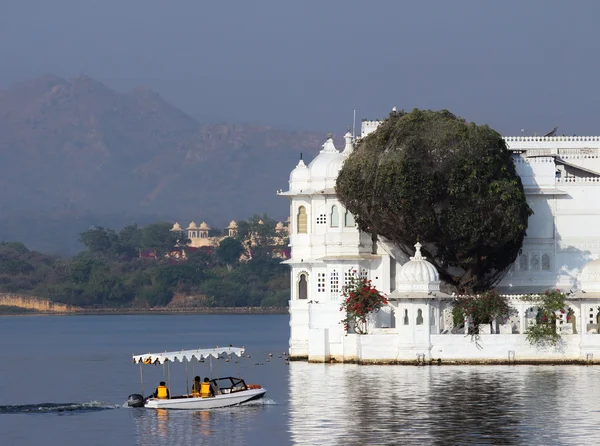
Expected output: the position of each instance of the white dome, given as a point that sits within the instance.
(300, 177)
(334, 167)
(418, 275)
(589, 277)
(318, 166)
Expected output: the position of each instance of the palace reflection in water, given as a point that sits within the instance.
(322, 404)
(335, 404)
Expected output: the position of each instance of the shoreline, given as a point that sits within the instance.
(157, 310)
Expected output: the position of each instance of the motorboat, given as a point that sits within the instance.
(220, 392)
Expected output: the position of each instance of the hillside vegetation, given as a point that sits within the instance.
(133, 268)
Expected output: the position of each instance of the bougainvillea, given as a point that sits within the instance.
(361, 299)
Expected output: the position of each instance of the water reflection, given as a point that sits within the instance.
(226, 426)
(333, 404)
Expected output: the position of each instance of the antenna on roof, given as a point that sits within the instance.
(552, 133)
(353, 124)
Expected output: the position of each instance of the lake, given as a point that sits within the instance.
(65, 379)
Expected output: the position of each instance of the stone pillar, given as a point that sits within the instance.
(583, 317)
(522, 321)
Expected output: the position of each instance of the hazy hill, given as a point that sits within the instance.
(75, 153)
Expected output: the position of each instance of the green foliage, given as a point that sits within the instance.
(544, 333)
(257, 235)
(452, 185)
(361, 299)
(482, 309)
(158, 236)
(229, 251)
(110, 273)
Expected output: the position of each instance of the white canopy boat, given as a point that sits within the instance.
(220, 392)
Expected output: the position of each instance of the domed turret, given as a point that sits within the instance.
(232, 224)
(319, 166)
(417, 275)
(176, 228)
(589, 277)
(349, 147)
(203, 225)
(300, 177)
(192, 225)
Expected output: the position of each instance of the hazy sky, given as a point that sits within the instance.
(307, 64)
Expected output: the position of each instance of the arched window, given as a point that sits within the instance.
(303, 287)
(419, 317)
(302, 220)
(405, 317)
(349, 219)
(523, 262)
(546, 262)
(335, 217)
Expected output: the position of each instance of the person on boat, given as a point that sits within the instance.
(161, 392)
(206, 389)
(196, 387)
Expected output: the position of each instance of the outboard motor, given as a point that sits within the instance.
(136, 400)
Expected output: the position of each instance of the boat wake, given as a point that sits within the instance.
(260, 402)
(92, 406)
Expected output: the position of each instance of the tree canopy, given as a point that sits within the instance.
(110, 271)
(432, 177)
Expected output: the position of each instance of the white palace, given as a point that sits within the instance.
(561, 177)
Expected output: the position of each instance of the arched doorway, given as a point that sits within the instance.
(303, 286)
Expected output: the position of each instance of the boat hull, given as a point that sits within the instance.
(224, 400)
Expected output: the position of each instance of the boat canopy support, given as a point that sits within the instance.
(187, 355)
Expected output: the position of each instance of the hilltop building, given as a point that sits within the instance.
(199, 237)
(561, 178)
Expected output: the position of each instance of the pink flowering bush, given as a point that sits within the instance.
(361, 299)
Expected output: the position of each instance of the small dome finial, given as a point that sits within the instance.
(330, 136)
(300, 155)
(418, 255)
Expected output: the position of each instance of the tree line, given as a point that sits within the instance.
(152, 266)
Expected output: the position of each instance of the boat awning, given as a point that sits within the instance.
(182, 355)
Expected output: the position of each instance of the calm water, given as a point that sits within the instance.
(64, 381)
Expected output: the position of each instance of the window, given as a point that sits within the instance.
(405, 317)
(419, 317)
(545, 262)
(303, 287)
(535, 261)
(334, 284)
(302, 223)
(321, 282)
(321, 219)
(364, 273)
(524, 262)
(349, 219)
(335, 217)
(348, 274)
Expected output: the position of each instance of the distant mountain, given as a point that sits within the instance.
(76, 150)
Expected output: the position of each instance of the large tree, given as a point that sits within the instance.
(450, 184)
